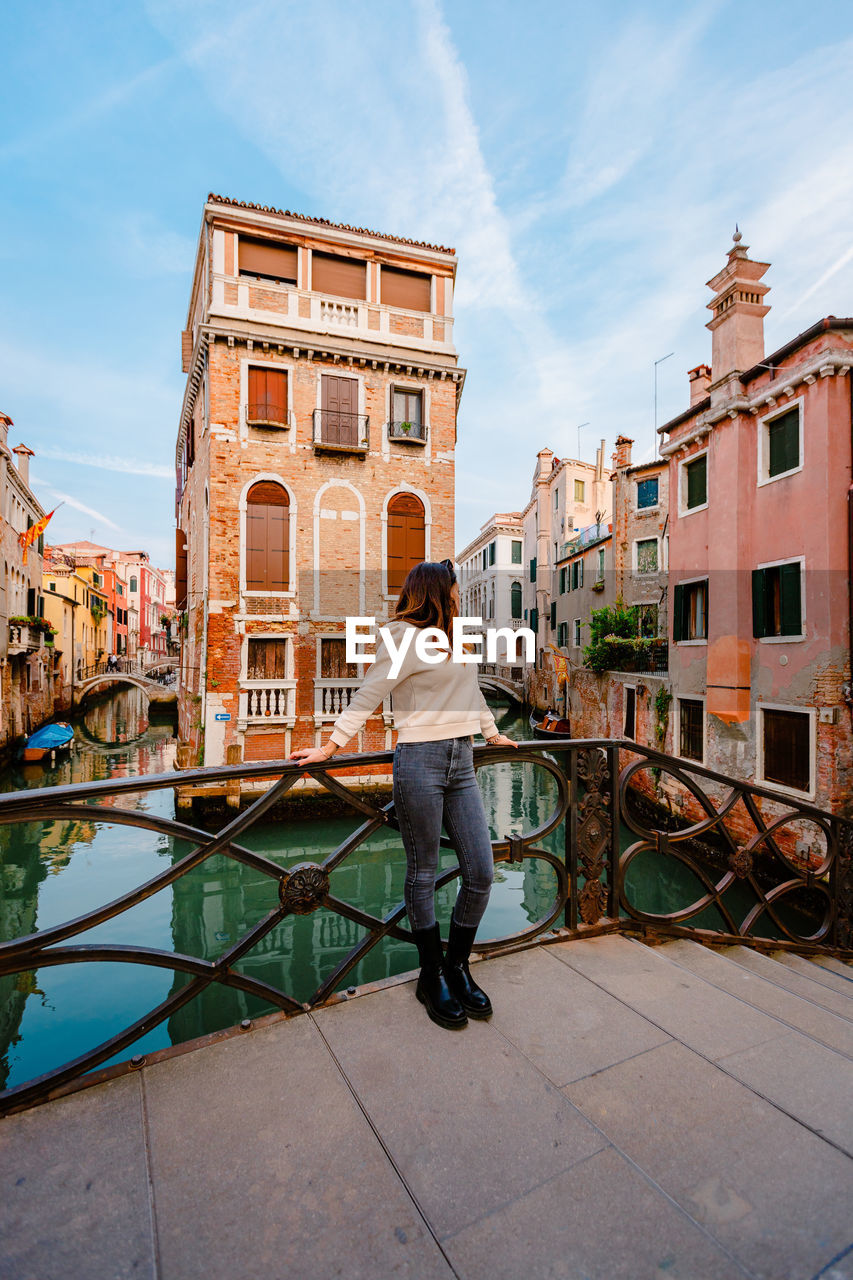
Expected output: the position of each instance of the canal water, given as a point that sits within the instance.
(54, 871)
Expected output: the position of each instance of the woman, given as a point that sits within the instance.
(438, 707)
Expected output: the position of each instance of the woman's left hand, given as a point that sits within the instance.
(502, 741)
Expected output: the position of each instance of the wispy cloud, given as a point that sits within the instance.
(108, 462)
(70, 501)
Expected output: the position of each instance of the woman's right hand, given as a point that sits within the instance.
(309, 755)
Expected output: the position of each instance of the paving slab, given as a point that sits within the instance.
(601, 1220)
(74, 1194)
(773, 1193)
(827, 977)
(469, 1122)
(802, 984)
(803, 1015)
(564, 1024)
(806, 1079)
(263, 1165)
(841, 967)
(682, 1004)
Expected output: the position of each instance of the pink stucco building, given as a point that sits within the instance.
(759, 550)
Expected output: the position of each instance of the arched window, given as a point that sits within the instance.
(515, 598)
(406, 537)
(134, 586)
(267, 537)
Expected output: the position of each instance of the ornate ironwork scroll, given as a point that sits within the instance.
(595, 832)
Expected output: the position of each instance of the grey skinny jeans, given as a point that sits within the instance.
(434, 785)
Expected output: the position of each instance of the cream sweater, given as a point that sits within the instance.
(430, 701)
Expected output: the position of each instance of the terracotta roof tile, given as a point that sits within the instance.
(324, 222)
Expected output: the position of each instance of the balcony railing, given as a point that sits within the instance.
(764, 869)
(268, 701)
(331, 697)
(408, 432)
(344, 432)
(263, 414)
(24, 638)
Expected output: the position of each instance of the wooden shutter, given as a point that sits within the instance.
(678, 604)
(783, 437)
(786, 749)
(553, 614)
(406, 537)
(267, 538)
(515, 598)
(409, 289)
(791, 615)
(180, 569)
(697, 482)
(340, 411)
(533, 569)
(267, 395)
(333, 663)
(268, 259)
(267, 660)
(340, 277)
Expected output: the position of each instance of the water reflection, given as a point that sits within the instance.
(120, 718)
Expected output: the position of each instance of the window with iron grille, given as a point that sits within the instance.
(407, 412)
(647, 492)
(267, 401)
(786, 748)
(777, 600)
(691, 729)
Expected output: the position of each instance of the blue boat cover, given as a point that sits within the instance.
(51, 736)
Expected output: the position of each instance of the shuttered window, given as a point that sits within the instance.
(267, 259)
(563, 635)
(533, 569)
(690, 611)
(515, 600)
(787, 749)
(180, 569)
(647, 492)
(783, 443)
(696, 481)
(690, 715)
(647, 555)
(267, 660)
(492, 552)
(516, 551)
(267, 395)
(408, 289)
(553, 614)
(406, 537)
(580, 489)
(562, 582)
(534, 620)
(340, 277)
(267, 538)
(777, 601)
(333, 663)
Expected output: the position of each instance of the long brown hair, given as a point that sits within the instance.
(425, 599)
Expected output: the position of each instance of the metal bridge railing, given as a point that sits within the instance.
(775, 870)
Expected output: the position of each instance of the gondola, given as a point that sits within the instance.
(46, 740)
(549, 726)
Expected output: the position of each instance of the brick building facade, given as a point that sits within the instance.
(315, 464)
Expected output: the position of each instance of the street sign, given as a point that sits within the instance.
(222, 715)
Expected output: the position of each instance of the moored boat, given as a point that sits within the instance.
(550, 726)
(47, 739)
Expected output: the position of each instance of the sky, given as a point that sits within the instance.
(588, 163)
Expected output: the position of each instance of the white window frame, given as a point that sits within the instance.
(290, 594)
(258, 360)
(688, 582)
(775, 564)
(693, 697)
(811, 712)
(635, 555)
(576, 633)
(763, 445)
(265, 635)
(646, 511)
(683, 509)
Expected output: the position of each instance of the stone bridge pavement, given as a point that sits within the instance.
(628, 1112)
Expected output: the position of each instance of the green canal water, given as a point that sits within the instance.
(53, 871)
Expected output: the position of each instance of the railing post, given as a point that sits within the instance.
(842, 885)
(571, 833)
(613, 862)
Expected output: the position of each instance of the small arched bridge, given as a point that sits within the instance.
(152, 687)
(500, 684)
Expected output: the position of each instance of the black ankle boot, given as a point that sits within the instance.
(432, 989)
(472, 998)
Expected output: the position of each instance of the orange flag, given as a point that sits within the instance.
(561, 664)
(34, 532)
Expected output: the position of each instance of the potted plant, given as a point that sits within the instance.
(405, 427)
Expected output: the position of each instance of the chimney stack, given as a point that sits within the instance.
(700, 381)
(599, 462)
(23, 455)
(622, 456)
(5, 423)
(738, 312)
